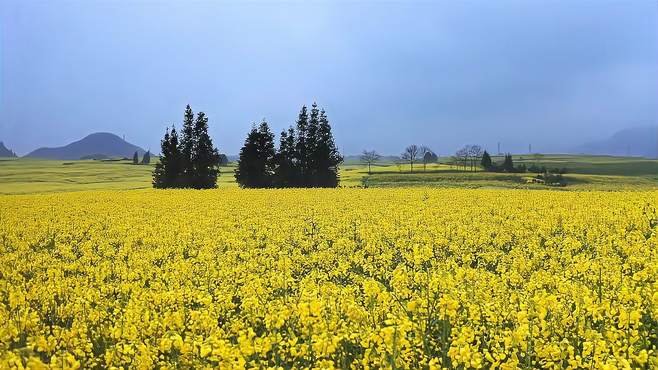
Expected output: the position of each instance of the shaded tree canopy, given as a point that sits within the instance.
(306, 157)
(257, 160)
(146, 159)
(223, 159)
(486, 162)
(188, 162)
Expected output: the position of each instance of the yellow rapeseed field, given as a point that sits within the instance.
(346, 278)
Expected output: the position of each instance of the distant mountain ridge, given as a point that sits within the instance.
(6, 152)
(636, 141)
(96, 144)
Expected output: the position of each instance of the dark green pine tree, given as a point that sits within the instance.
(267, 153)
(245, 174)
(205, 157)
(327, 156)
(486, 162)
(301, 149)
(508, 164)
(312, 179)
(223, 159)
(285, 173)
(169, 171)
(256, 165)
(187, 143)
(146, 159)
(135, 158)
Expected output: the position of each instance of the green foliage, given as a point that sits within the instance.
(257, 159)
(187, 144)
(508, 163)
(169, 172)
(135, 158)
(552, 179)
(223, 159)
(307, 156)
(147, 157)
(326, 157)
(486, 162)
(205, 157)
(285, 173)
(190, 163)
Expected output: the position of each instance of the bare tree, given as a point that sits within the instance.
(370, 157)
(462, 156)
(475, 153)
(410, 155)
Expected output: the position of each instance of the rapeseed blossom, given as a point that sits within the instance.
(329, 278)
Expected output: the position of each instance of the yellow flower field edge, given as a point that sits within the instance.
(344, 278)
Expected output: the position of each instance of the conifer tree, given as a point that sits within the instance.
(267, 153)
(508, 164)
(135, 158)
(223, 159)
(187, 141)
(146, 159)
(311, 171)
(169, 171)
(256, 164)
(205, 157)
(191, 162)
(486, 162)
(301, 148)
(285, 174)
(327, 156)
(245, 174)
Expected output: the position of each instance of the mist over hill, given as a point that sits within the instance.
(6, 152)
(100, 144)
(637, 141)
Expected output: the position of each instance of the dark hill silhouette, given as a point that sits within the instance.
(5, 152)
(638, 141)
(100, 143)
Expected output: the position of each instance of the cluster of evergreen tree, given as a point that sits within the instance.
(306, 157)
(190, 161)
(146, 159)
(506, 166)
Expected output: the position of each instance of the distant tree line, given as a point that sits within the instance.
(306, 156)
(467, 158)
(146, 159)
(508, 166)
(190, 161)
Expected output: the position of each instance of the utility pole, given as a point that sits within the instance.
(499, 148)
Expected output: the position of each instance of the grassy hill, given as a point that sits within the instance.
(27, 175)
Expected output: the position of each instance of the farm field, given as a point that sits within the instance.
(360, 278)
(28, 176)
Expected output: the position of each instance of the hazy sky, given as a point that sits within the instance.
(444, 73)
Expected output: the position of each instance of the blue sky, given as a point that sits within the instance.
(552, 74)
